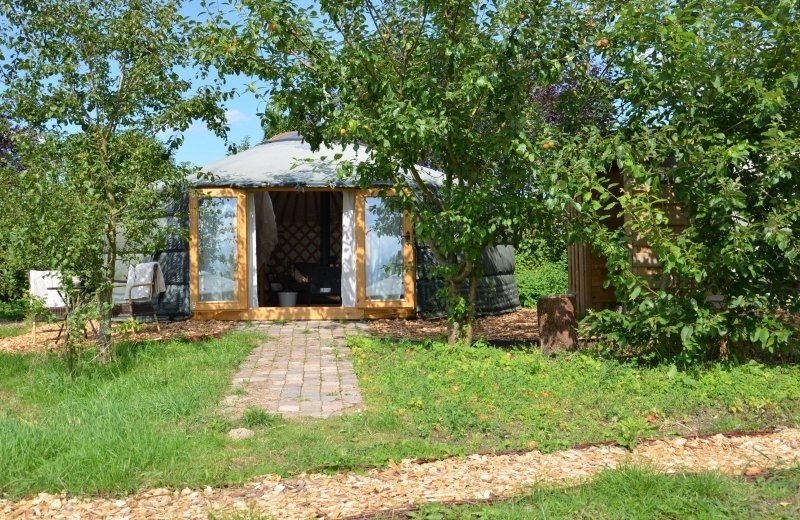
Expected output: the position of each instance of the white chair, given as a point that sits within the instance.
(45, 285)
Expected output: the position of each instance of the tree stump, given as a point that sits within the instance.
(557, 323)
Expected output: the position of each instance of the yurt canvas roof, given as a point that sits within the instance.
(287, 161)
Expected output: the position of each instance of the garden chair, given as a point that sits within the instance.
(144, 286)
(45, 285)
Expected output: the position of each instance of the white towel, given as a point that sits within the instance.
(42, 285)
(145, 273)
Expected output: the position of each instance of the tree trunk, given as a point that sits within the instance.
(105, 295)
(104, 333)
(556, 323)
(461, 320)
(469, 326)
(453, 320)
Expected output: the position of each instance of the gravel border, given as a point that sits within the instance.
(406, 485)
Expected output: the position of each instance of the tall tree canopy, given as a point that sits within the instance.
(98, 80)
(708, 115)
(444, 84)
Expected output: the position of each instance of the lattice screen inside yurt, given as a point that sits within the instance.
(300, 220)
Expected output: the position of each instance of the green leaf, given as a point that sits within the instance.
(686, 333)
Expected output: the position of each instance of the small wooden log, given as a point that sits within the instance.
(557, 323)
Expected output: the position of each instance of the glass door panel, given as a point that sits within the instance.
(383, 253)
(218, 250)
(385, 256)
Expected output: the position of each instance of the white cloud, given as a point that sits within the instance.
(235, 116)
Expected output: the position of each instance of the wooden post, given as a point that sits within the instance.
(557, 323)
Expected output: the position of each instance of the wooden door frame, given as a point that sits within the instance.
(241, 302)
(409, 299)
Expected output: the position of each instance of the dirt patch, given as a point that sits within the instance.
(519, 326)
(46, 334)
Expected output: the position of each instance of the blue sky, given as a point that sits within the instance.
(201, 146)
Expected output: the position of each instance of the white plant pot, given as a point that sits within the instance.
(287, 299)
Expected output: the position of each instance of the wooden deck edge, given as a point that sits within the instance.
(303, 314)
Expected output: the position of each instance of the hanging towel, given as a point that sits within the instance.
(145, 273)
(43, 285)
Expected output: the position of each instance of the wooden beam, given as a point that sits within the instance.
(283, 313)
(410, 261)
(361, 238)
(303, 314)
(194, 287)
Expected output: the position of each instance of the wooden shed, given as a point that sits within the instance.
(588, 271)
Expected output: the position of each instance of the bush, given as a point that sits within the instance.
(541, 280)
(546, 245)
(13, 280)
(15, 310)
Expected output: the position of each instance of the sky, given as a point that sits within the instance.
(200, 145)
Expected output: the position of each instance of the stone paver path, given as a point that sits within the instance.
(407, 484)
(303, 369)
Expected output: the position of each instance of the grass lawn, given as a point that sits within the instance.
(639, 494)
(151, 419)
(10, 329)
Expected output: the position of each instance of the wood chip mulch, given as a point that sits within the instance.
(46, 335)
(519, 326)
(408, 484)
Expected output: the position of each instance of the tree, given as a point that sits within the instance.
(708, 112)
(98, 81)
(6, 143)
(442, 84)
(275, 121)
(12, 275)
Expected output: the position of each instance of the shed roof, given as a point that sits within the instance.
(286, 160)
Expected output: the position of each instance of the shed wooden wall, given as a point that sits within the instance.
(588, 271)
(644, 261)
(587, 274)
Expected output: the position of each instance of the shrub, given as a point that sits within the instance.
(540, 280)
(15, 310)
(546, 244)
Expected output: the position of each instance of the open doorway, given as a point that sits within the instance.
(299, 248)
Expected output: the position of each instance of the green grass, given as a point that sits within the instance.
(484, 398)
(256, 417)
(11, 329)
(641, 494)
(146, 419)
(151, 419)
